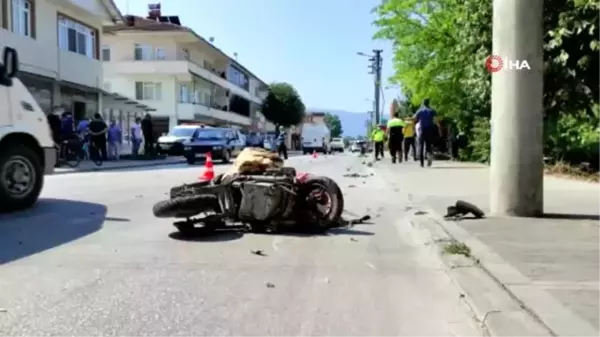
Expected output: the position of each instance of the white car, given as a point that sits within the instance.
(337, 144)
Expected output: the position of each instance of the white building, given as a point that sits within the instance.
(58, 42)
(187, 79)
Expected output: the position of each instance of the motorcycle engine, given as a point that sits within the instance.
(261, 201)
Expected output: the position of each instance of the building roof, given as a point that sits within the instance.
(143, 24)
(114, 11)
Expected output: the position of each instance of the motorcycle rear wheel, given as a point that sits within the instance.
(185, 207)
(317, 220)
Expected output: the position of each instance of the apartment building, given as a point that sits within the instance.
(58, 44)
(162, 63)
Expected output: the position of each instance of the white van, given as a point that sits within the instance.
(315, 137)
(26, 146)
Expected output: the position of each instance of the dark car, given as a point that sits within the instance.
(174, 142)
(222, 143)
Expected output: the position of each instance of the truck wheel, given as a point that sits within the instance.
(21, 178)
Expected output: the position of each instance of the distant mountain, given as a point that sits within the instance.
(353, 123)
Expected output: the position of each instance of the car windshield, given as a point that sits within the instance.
(182, 132)
(208, 134)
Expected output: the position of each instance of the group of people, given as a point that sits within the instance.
(419, 131)
(96, 137)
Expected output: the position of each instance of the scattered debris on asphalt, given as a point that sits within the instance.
(355, 175)
(361, 220)
(420, 213)
(270, 285)
(457, 248)
(353, 240)
(351, 186)
(258, 252)
(3, 310)
(369, 164)
(463, 208)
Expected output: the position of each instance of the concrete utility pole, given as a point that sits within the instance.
(377, 63)
(517, 166)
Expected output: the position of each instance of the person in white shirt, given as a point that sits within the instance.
(136, 137)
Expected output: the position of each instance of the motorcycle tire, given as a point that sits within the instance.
(334, 216)
(185, 207)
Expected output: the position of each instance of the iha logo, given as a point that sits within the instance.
(495, 63)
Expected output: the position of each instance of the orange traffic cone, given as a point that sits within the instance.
(209, 172)
(315, 155)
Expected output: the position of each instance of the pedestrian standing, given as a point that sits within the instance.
(427, 117)
(98, 129)
(136, 137)
(281, 147)
(148, 132)
(378, 137)
(115, 139)
(409, 138)
(395, 128)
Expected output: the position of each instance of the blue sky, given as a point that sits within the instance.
(311, 44)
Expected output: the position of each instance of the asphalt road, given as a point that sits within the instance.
(91, 259)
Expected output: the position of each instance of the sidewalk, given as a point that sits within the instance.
(89, 166)
(551, 265)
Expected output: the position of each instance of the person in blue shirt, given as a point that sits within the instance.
(67, 126)
(427, 118)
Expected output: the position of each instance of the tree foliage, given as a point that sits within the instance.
(334, 124)
(439, 49)
(283, 105)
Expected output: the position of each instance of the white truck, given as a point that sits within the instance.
(315, 138)
(26, 146)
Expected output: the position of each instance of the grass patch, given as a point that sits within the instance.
(565, 170)
(457, 248)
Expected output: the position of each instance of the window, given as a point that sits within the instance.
(21, 18)
(148, 91)
(142, 52)
(161, 54)
(105, 53)
(185, 93)
(76, 37)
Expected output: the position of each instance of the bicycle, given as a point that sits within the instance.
(68, 154)
(94, 152)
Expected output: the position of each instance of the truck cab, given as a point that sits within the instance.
(26, 146)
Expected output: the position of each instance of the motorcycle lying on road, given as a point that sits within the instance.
(271, 201)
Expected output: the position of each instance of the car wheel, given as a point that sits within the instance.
(21, 178)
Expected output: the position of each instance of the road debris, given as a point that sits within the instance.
(258, 252)
(270, 285)
(351, 185)
(420, 213)
(356, 175)
(3, 310)
(353, 240)
(463, 208)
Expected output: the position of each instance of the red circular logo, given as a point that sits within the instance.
(494, 63)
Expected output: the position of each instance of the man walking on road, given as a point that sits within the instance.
(281, 147)
(395, 137)
(409, 139)
(136, 137)
(115, 139)
(426, 117)
(378, 137)
(148, 131)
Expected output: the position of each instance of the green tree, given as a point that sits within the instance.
(334, 124)
(439, 50)
(283, 105)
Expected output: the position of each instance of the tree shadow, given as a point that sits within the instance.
(50, 223)
(563, 216)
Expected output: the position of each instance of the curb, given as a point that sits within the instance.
(511, 305)
(114, 168)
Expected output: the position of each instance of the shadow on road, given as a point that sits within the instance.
(219, 236)
(593, 217)
(51, 223)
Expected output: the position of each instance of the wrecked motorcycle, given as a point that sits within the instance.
(270, 201)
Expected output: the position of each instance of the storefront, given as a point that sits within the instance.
(81, 101)
(41, 88)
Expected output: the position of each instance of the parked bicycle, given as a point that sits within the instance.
(69, 153)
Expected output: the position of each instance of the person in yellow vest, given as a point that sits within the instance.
(409, 139)
(378, 137)
(395, 128)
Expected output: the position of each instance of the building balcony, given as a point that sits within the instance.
(188, 111)
(176, 67)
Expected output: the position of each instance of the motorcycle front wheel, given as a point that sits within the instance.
(185, 207)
